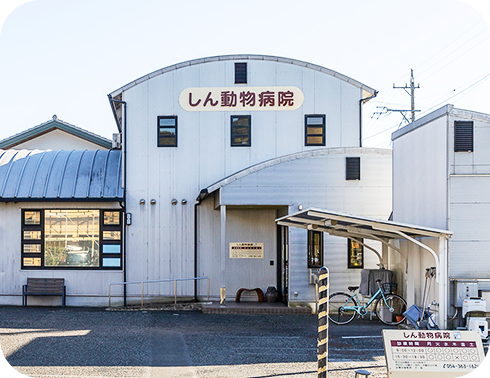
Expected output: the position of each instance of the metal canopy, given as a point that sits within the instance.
(353, 226)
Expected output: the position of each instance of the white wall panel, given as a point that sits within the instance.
(419, 176)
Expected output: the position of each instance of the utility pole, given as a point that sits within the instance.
(412, 92)
(412, 87)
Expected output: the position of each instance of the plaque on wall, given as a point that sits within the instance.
(246, 250)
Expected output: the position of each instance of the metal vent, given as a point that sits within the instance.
(353, 168)
(463, 136)
(240, 73)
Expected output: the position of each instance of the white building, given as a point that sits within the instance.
(253, 138)
(441, 178)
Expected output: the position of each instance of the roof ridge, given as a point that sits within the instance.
(37, 130)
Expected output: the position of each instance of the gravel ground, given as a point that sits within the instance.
(95, 343)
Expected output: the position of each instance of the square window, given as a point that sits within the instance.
(111, 218)
(241, 131)
(32, 217)
(315, 130)
(167, 131)
(315, 249)
(355, 258)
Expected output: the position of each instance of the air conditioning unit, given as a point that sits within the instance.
(116, 141)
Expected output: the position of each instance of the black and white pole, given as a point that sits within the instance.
(323, 294)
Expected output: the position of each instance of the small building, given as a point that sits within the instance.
(56, 134)
(61, 216)
(441, 178)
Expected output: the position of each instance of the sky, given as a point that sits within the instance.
(64, 56)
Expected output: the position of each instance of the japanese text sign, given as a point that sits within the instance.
(240, 99)
(246, 250)
(424, 353)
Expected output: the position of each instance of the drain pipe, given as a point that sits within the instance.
(361, 101)
(124, 178)
(202, 195)
(195, 247)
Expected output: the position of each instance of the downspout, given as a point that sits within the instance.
(361, 101)
(202, 195)
(198, 203)
(111, 101)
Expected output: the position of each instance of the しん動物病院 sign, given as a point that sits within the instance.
(241, 98)
(415, 353)
(246, 250)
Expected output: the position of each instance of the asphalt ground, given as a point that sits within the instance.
(80, 342)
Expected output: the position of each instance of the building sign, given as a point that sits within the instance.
(424, 354)
(241, 99)
(246, 250)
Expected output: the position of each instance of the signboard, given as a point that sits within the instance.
(423, 353)
(240, 99)
(246, 250)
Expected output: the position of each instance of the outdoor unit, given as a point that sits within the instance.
(116, 141)
(464, 290)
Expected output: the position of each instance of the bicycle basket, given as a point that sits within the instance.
(388, 288)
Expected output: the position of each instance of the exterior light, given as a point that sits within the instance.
(153, 201)
(142, 201)
(300, 207)
(174, 202)
(184, 201)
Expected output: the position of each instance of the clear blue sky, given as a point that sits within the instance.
(63, 57)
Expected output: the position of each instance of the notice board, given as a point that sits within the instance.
(434, 354)
(246, 250)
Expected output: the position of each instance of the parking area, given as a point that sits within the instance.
(81, 342)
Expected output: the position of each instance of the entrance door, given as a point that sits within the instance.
(282, 262)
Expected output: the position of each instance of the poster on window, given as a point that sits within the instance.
(355, 257)
(246, 250)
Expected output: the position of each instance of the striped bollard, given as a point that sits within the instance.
(323, 294)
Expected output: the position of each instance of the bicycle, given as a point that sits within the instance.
(389, 307)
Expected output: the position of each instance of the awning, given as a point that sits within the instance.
(358, 228)
(354, 226)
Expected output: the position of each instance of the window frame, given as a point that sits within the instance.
(241, 76)
(323, 126)
(249, 117)
(349, 252)
(167, 137)
(117, 227)
(310, 247)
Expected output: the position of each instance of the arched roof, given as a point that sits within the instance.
(369, 90)
(44, 175)
(284, 159)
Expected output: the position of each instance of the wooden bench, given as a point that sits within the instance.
(44, 286)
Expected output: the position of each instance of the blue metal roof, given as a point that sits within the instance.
(27, 175)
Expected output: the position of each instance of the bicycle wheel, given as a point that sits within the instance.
(390, 309)
(336, 313)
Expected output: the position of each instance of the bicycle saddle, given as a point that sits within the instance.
(353, 288)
